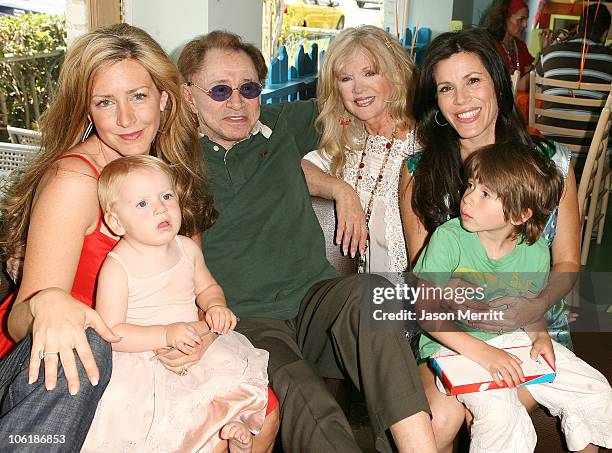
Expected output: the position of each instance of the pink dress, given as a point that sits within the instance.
(147, 408)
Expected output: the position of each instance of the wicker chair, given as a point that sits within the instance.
(21, 136)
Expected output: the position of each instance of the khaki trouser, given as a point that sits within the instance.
(330, 338)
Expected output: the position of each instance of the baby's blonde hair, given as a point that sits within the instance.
(115, 173)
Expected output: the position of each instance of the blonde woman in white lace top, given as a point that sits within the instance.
(365, 91)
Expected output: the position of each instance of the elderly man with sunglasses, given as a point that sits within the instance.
(267, 251)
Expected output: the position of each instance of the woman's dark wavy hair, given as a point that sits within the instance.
(495, 18)
(438, 178)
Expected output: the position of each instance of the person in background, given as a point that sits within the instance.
(365, 92)
(564, 61)
(506, 21)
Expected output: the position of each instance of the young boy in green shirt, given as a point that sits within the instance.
(496, 245)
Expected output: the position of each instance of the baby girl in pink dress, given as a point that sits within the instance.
(148, 289)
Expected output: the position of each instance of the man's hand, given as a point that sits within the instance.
(547, 38)
(352, 231)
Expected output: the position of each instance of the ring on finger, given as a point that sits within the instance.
(184, 371)
(42, 354)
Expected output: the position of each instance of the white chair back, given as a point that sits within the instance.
(589, 189)
(13, 156)
(587, 110)
(21, 136)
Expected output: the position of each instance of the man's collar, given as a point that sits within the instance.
(261, 128)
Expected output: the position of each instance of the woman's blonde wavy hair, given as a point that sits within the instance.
(390, 59)
(65, 121)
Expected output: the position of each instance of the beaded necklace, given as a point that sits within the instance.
(375, 189)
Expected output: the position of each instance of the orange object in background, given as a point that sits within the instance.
(522, 102)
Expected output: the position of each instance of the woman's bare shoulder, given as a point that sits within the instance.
(70, 186)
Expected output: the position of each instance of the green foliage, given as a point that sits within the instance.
(292, 39)
(28, 83)
(30, 34)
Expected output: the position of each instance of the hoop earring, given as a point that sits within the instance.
(88, 130)
(437, 121)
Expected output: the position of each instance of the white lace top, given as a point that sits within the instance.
(387, 250)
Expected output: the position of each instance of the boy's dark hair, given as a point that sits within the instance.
(522, 178)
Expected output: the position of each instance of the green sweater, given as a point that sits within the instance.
(267, 248)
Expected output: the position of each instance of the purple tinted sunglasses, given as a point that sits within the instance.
(220, 93)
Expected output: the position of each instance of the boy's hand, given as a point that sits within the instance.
(220, 319)
(182, 336)
(502, 365)
(542, 345)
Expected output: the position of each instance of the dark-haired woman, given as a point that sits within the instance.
(464, 101)
(506, 21)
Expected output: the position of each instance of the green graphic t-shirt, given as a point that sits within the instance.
(454, 252)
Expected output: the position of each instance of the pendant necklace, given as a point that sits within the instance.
(375, 190)
(515, 52)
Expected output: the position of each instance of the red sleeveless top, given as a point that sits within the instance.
(95, 247)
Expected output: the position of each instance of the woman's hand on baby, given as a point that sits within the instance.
(220, 319)
(502, 365)
(182, 336)
(542, 345)
(59, 329)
